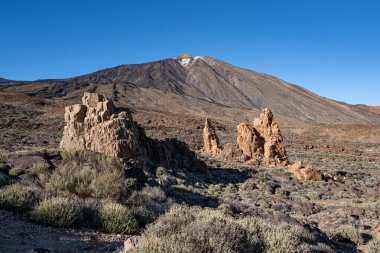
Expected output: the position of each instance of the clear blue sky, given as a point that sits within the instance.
(328, 46)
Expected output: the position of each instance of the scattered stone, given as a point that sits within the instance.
(305, 173)
(210, 139)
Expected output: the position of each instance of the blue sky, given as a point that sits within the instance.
(328, 46)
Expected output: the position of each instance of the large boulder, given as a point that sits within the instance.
(210, 139)
(96, 125)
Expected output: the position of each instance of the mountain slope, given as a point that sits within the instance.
(200, 86)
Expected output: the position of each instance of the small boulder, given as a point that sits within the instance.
(305, 173)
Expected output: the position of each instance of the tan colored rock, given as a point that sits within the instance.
(75, 113)
(262, 143)
(274, 149)
(210, 139)
(95, 126)
(311, 173)
(305, 173)
(249, 141)
(294, 168)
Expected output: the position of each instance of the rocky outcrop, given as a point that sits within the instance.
(249, 141)
(274, 149)
(98, 126)
(305, 173)
(263, 142)
(210, 139)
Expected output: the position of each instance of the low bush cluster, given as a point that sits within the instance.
(116, 218)
(58, 212)
(107, 216)
(346, 233)
(17, 197)
(148, 204)
(185, 229)
(103, 179)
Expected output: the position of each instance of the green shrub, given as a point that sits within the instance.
(73, 155)
(346, 232)
(194, 229)
(96, 182)
(18, 197)
(3, 157)
(40, 168)
(188, 230)
(374, 245)
(148, 204)
(14, 172)
(3, 161)
(90, 212)
(116, 218)
(105, 161)
(58, 212)
(160, 171)
(278, 238)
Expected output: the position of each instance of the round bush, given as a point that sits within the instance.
(116, 218)
(58, 212)
(18, 197)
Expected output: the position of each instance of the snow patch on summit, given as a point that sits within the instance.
(187, 61)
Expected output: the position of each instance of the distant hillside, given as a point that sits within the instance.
(200, 86)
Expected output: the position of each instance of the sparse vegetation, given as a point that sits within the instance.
(40, 169)
(17, 197)
(373, 246)
(104, 179)
(58, 212)
(3, 160)
(185, 229)
(116, 218)
(346, 233)
(148, 204)
(73, 155)
(14, 172)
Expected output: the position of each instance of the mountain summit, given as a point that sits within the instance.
(200, 86)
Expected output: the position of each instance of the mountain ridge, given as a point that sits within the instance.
(199, 83)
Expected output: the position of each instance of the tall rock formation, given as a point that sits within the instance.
(98, 126)
(274, 149)
(263, 142)
(210, 139)
(249, 141)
